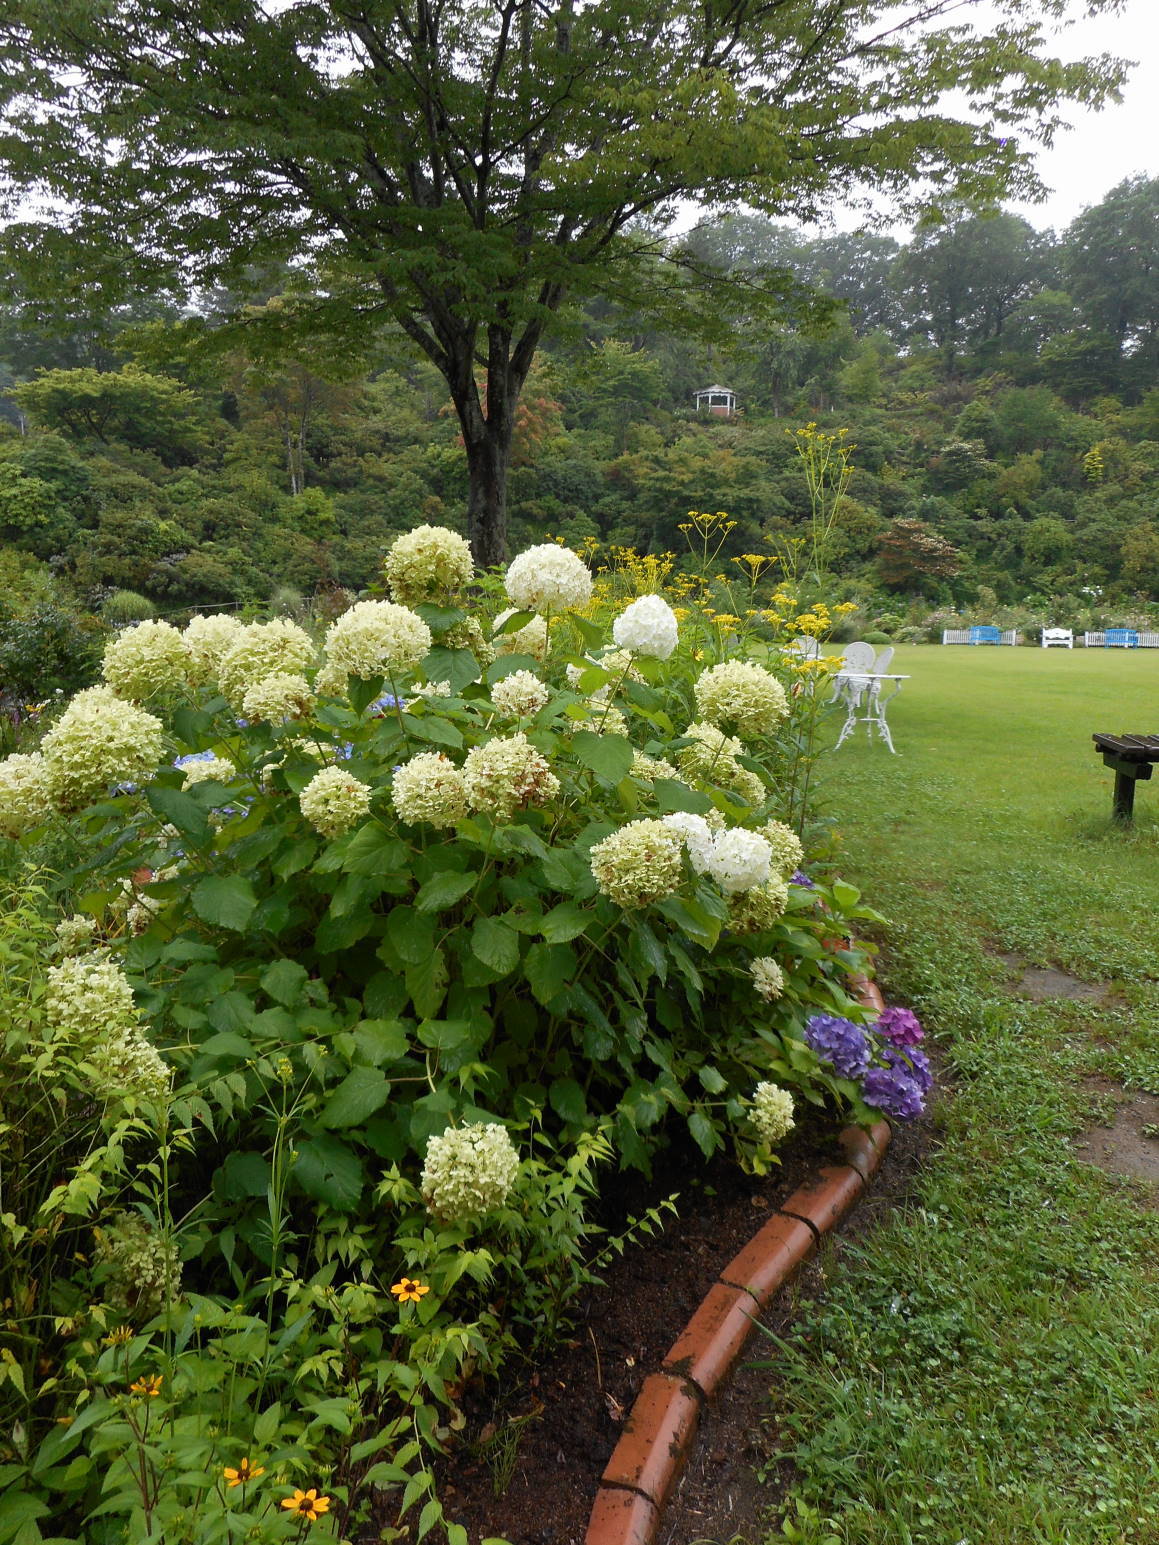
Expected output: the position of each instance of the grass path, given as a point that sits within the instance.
(984, 1370)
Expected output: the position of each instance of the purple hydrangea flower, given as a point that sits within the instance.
(893, 1091)
(913, 1063)
(385, 702)
(901, 1026)
(799, 877)
(840, 1042)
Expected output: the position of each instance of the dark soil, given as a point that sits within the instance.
(527, 1466)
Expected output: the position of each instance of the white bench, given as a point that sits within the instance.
(1057, 638)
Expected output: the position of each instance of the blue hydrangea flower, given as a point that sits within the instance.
(913, 1063)
(893, 1091)
(193, 756)
(839, 1042)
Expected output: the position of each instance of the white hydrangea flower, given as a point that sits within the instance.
(506, 774)
(89, 997)
(468, 634)
(469, 1171)
(740, 860)
(333, 801)
(126, 1063)
(548, 578)
(429, 788)
(201, 769)
(429, 563)
(768, 978)
(772, 1113)
(433, 689)
(697, 836)
(148, 660)
(617, 662)
(712, 756)
(76, 934)
(97, 741)
(786, 845)
(530, 639)
(207, 641)
(263, 649)
(639, 864)
(375, 638)
(648, 627)
(278, 698)
(604, 718)
(25, 794)
(742, 694)
(140, 1267)
(520, 695)
(754, 911)
(649, 768)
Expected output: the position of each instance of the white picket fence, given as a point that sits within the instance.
(1121, 638)
(971, 636)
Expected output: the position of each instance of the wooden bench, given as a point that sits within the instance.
(1130, 757)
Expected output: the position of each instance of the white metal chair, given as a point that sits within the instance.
(856, 660)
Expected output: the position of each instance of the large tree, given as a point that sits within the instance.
(456, 167)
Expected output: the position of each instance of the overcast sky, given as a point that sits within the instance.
(1105, 147)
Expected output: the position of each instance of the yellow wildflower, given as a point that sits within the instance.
(307, 1504)
(246, 1471)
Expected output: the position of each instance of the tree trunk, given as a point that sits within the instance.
(488, 460)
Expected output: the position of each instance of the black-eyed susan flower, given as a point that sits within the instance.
(307, 1504)
(409, 1291)
(150, 1386)
(246, 1471)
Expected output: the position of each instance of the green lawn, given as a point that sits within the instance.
(984, 1369)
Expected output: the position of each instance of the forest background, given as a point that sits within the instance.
(1000, 386)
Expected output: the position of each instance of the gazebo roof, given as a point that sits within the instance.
(705, 390)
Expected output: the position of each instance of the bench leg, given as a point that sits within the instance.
(1124, 797)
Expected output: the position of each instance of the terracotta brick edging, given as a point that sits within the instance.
(661, 1428)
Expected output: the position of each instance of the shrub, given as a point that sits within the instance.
(424, 951)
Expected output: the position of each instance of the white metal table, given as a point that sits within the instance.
(865, 688)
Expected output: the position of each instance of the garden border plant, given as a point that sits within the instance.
(379, 955)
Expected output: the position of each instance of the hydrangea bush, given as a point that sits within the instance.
(409, 927)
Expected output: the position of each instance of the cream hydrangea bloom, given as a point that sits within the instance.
(740, 860)
(331, 680)
(468, 634)
(207, 641)
(206, 768)
(639, 864)
(772, 1113)
(469, 1171)
(753, 911)
(530, 639)
(648, 627)
(99, 739)
(278, 698)
(375, 638)
(786, 845)
(140, 1268)
(696, 835)
(148, 660)
(506, 774)
(428, 564)
(548, 578)
(75, 934)
(126, 1063)
(713, 757)
(649, 768)
(520, 695)
(88, 996)
(263, 649)
(618, 664)
(429, 788)
(768, 978)
(604, 718)
(742, 694)
(333, 801)
(25, 794)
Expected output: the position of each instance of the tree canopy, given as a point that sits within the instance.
(457, 168)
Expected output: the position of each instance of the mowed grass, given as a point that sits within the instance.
(983, 1369)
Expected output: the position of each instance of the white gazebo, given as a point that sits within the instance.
(720, 400)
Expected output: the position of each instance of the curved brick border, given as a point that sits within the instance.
(661, 1427)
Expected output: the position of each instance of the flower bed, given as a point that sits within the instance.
(388, 945)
